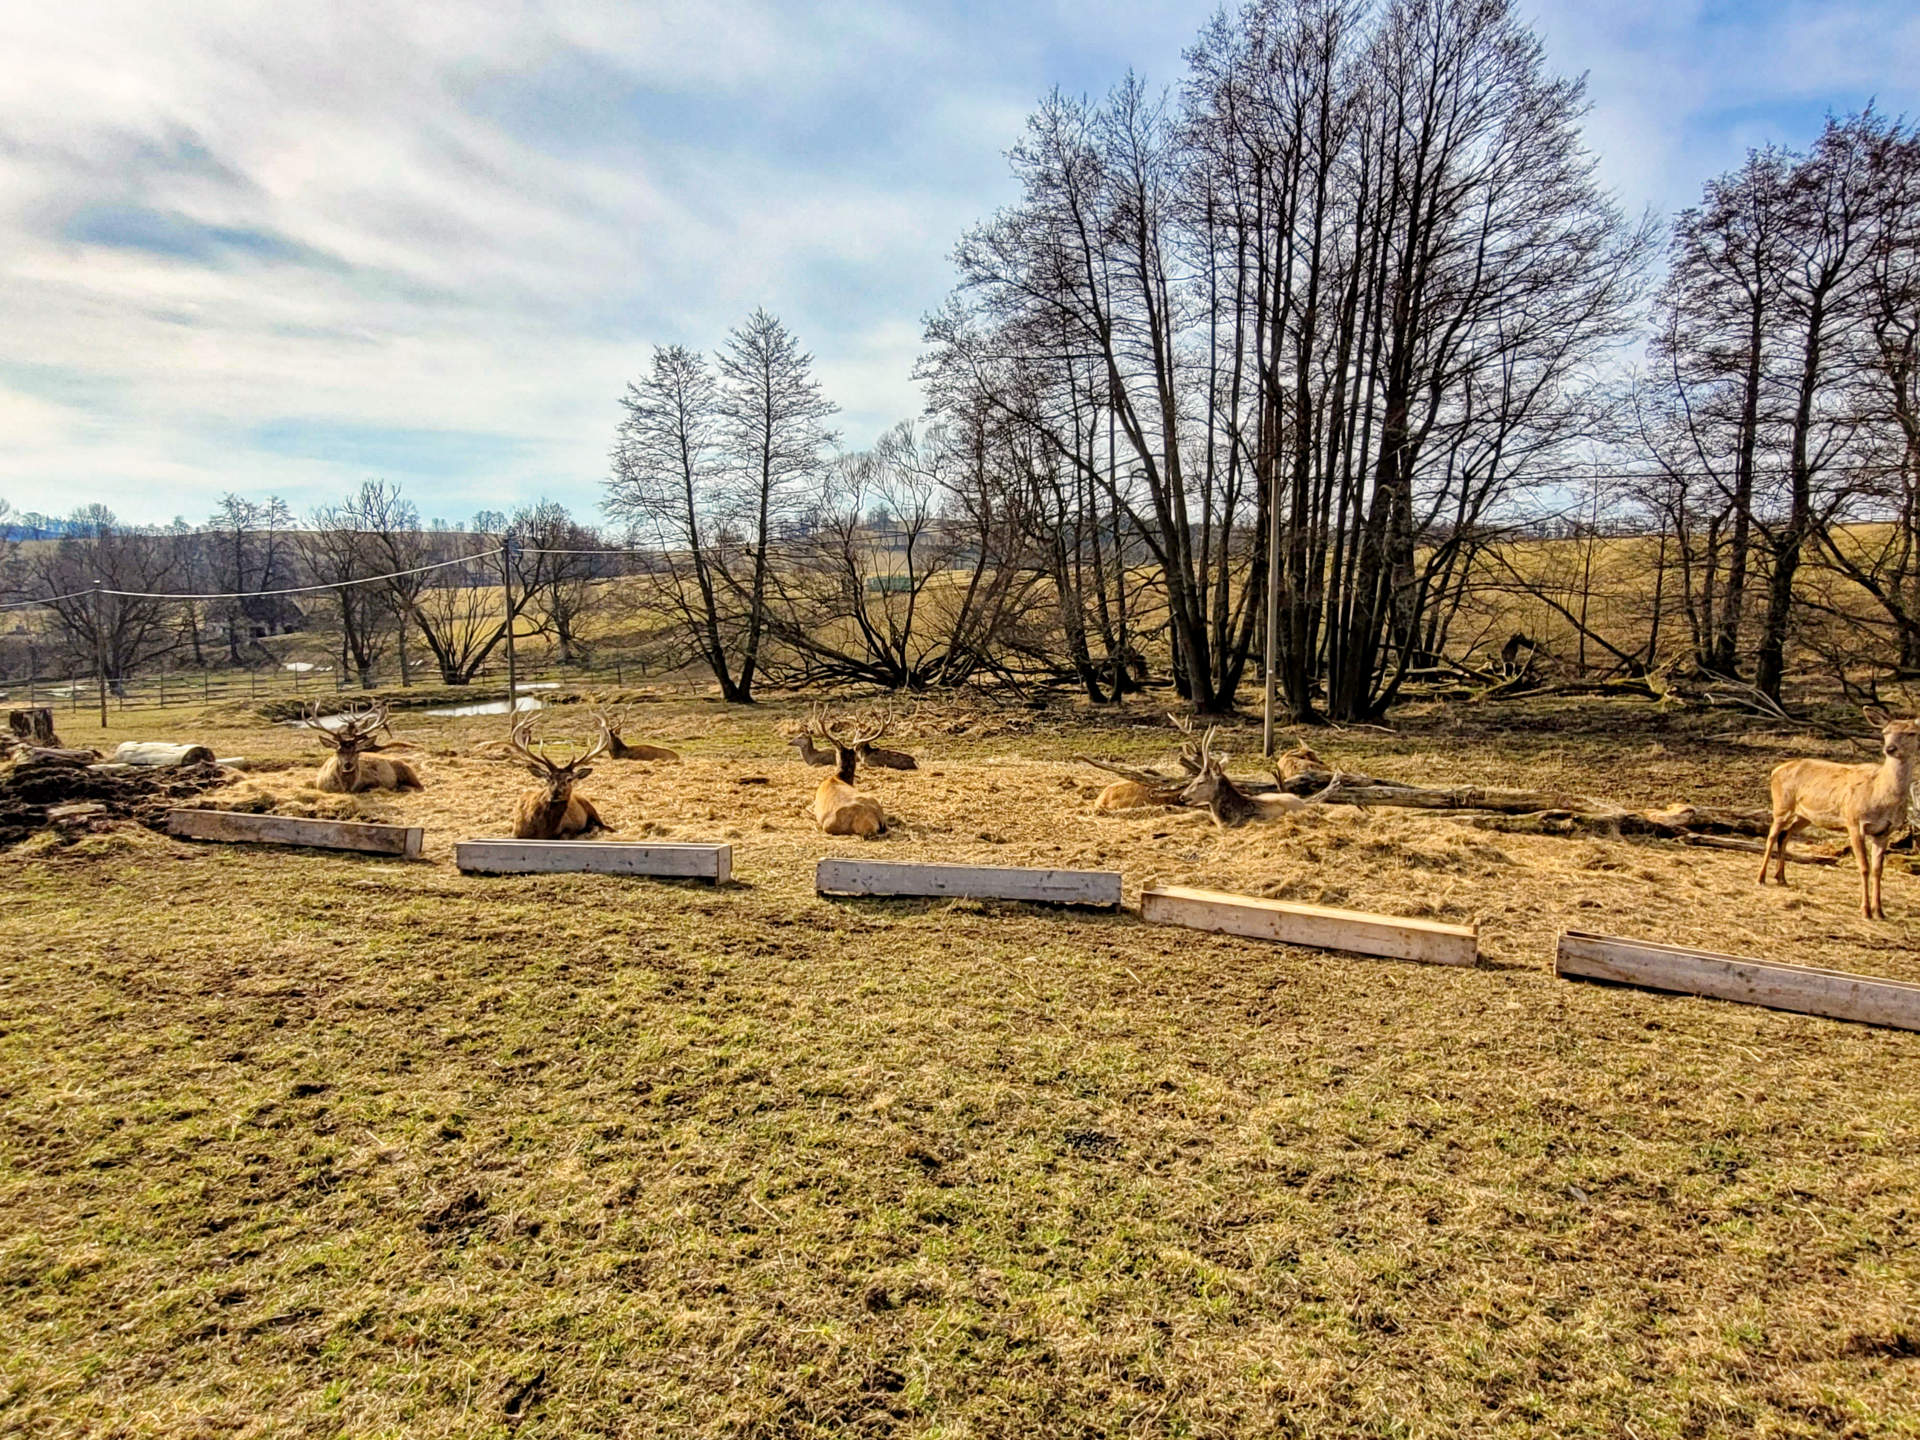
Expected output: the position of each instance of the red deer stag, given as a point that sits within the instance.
(1868, 801)
(551, 811)
(871, 754)
(354, 735)
(837, 806)
(612, 723)
(1229, 804)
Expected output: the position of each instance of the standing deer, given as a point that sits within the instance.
(1229, 804)
(551, 811)
(353, 766)
(1867, 801)
(611, 724)
(838, 808)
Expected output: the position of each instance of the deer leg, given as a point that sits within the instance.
(1877, 852)
(1857, 842)
(1766, 851)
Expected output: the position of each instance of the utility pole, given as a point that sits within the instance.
(100, 647)
(1273, 604)
(506, 594)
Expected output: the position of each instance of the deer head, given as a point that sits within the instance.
(558, 779)
(1899, 739)
(352, 732)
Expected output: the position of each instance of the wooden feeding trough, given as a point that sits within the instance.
(1317, 926)
(236, 826)
(662, 859)
(1099, 889)
(1805, 989)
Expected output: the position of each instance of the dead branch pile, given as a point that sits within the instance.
(34, 791)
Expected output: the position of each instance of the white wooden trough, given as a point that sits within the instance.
(238, 827)
(900, 878)
(663, 859)
(1316, 926)
(1805, 989)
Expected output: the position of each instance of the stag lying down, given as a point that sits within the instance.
(1868, 801)
(353, 766)
(1230, 805)
(551, 810)
(838, 808)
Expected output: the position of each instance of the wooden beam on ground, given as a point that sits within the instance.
(1317, 926)
(240, 827)
(665, 859)
(1099, 888)
(1805, 989)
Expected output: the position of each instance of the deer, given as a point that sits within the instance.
(611, 724)
(871, 754)
(811, 753)
(1229, 805)
(551, 811)
(1868, 801)
(838, 808)
(353, 766)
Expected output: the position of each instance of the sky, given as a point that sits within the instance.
(281, 249)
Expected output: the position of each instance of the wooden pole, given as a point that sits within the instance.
(1273, 607)
(100, 647)
(506, 592)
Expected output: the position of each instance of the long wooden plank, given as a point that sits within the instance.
(1804, 989)
(239, 827)
(597, 857)
(1318, 926)
(1098, 888)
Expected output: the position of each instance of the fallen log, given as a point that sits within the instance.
(160, 752)
(39, 755)
(1753, 847)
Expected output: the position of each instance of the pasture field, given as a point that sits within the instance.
(305, 1144)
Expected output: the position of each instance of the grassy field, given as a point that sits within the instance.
(300, 1144)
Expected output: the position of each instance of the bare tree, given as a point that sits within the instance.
(664, 484)
(772, 428)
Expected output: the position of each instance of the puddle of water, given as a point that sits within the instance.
(489, 707)
(479, 707)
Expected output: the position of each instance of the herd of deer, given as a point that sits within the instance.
(552, 811)
(1869, 801)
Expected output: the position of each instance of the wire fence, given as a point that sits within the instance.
(79, 691)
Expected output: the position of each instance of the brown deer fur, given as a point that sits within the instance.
(1868, 801)
(617, 749)
(1127, 795)
(1229, 804)
(551, 811)
(838, 808)
(354, 766)
(811, 753)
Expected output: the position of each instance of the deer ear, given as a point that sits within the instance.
(582, 774)
(537, 770)
(1876, 716)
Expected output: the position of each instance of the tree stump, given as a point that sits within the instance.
(34, 727)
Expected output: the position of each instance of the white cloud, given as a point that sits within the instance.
(269, 247)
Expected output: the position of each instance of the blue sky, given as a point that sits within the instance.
(276, 248)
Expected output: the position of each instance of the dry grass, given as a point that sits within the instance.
(304, 1144)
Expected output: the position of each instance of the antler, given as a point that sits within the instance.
(886, 723)
(355, 724)
(520, 745)
(612, 719)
